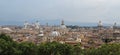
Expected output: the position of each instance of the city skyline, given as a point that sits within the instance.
(74, 12)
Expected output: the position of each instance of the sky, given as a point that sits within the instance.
(73, 12)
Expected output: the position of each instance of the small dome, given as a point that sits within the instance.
(55, 33)
(41, 33)
(70, 39)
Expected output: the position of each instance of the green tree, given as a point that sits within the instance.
(27, 48)
(7, 46)
(5, 37)
(77, 50)
(54, 48)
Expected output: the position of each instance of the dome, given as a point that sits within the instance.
(41, 33)
(63, 26)
(55, 33)
(7, 29)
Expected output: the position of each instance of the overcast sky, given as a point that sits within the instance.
(74, 11)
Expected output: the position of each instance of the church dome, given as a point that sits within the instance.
(63, 26)
(41, 33)
(7, 29)
(55, 33)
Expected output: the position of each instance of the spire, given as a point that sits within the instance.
(47, 24)
(62, 22)
(115, 24)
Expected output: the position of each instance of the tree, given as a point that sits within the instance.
(7, 46)
(54, 48)
(5, 37)
(27, 48)
(77, 50)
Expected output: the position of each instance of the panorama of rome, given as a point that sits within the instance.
(59, 27)
(87, 36)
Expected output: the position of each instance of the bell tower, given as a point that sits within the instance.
(114, 26)
(100, 25)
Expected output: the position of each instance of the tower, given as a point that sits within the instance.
(62, 22)
(26, 25)
(114, 26)
(47, 24)
(100, 25)
(37, 25)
